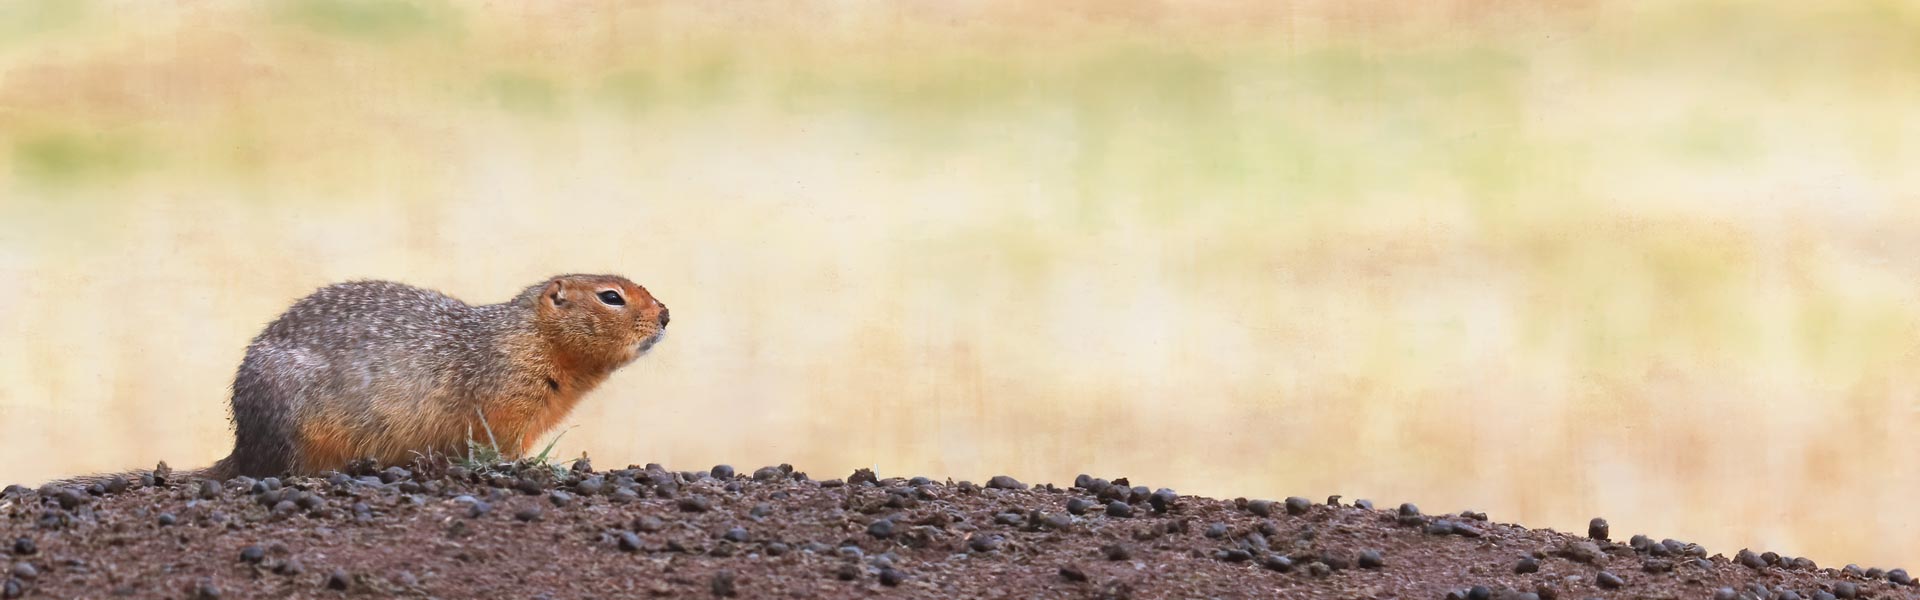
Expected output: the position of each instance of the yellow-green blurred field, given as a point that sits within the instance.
(1653, 261)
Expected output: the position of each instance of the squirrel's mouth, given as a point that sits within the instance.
(643, 346)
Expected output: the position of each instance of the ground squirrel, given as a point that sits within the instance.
(383, 370)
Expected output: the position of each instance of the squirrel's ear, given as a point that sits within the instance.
(554, 295)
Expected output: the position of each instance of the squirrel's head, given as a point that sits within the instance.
(600, 317)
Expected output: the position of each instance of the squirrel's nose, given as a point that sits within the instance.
(663, 316)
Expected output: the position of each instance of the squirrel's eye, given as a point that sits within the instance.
(612, 298)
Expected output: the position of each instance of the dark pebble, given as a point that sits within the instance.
(1078, 506)
(252, 555)
(1217, 530)
(1363, 504)
(1852, 571)
(890, 577)
(1846, 589)
(69, 499)
(1640, 543)
(1003, 482)
(560, 499)
(847, 572)
(1750, 560)
(1526, 565)
(1082, 481)
(1371, 559)
(1319, 569)
(1479, 592)
(863, 477)
(1056, 521)
(695, 504)
(1260, 508)
(338, 580)
(984, 543)
(1900, 576)
(1116, 551)
(24, 546)
(1598, 529)
(292, 567)
(1119, 509)
(167, 519)
(768, 474)
(1608, 580)
(1072, 573)
(25, 572)
(205, 589)
(1823, 595)
(628, 541)
(1772, 558)
(209, 489)
(625, 495)
(1725, 593)
(882, 528)
(737, 535)
(723, 584)
(1234, 555)
(528, 514)
(1803, 563)
(721, 472)
(1786, 595)
(1875, 573)
(1440, 527)
(591, 486)
(1298, 506)
(1277, 562)
(777, 549)
(1162, 500)
(478, 508)
(1409, 510)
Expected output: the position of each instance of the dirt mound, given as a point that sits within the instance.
(538, 532)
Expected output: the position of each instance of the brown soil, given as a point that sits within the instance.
(773, 533)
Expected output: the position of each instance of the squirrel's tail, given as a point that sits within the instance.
(162, 474)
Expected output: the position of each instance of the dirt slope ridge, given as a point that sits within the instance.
(456, 533)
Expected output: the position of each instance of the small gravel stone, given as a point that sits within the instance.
(291, 567)
(1598, 529)
(695, 504)
(628, 541)
(1409, 510)
(1845, 590)
(1526, 565)
(168, 520)
(1078, 506)
(890, 577)
(1162, 500)
(1371, 559)
(984, 543)
(560, 499)
(1073, 573)
(1217, 530)
(1119, 509)
(1749, 559)
(1725, 593)
(724, 584)
(1583, 552)
(204, 589)
(528, 514)
(882, 528)
(1116, 552)
(25, 572)
(1900, 576)
(1608, 580)
(252, 555)
(1277, 562)
(1260, 508)
(338, 580)
(1298, 506)
(25, 546)
(1479, 592)
(737, 535)
(1003, 482)
(721, 472)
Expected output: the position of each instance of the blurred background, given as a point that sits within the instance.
(1653, 261)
